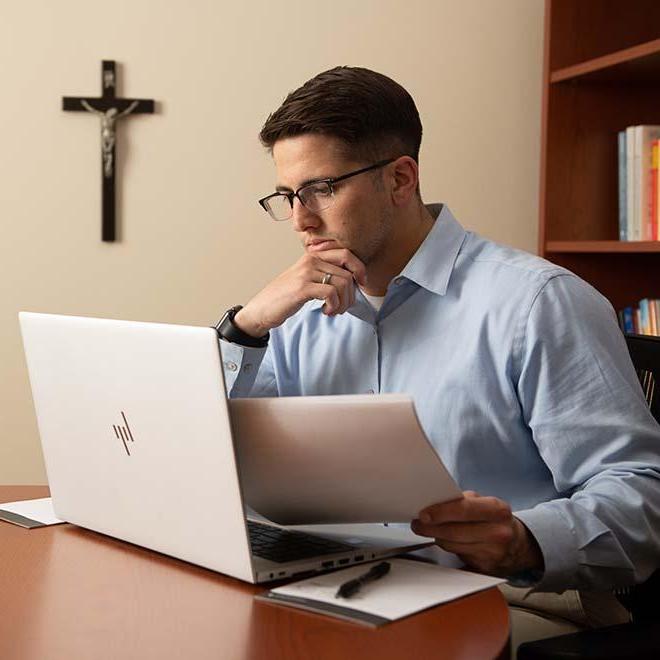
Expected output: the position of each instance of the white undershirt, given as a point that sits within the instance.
(376, 301)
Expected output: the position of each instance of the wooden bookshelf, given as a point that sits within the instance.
(601, 74)
(602, 246)
(639, 64)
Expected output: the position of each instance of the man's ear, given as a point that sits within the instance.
(404, 180)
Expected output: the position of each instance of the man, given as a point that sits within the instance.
(519, 372)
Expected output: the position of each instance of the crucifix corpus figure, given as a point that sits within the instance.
(109, 108)
(108, 119)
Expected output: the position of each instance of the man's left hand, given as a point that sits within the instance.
(483, 532)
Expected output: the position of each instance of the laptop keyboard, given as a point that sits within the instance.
(281, 545)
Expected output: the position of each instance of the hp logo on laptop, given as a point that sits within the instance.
(123, 433)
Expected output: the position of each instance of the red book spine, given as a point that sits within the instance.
(653, 193)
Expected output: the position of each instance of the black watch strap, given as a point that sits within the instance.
(229, 332)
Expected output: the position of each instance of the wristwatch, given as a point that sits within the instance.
(229, 332)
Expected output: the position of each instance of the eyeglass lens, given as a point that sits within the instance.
(315, 197)
(279, 207)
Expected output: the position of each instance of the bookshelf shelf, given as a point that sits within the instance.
(603, 246)
(639, 64)
(601, 74)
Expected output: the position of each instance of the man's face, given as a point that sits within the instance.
(360, 217)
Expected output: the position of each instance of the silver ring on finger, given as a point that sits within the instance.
(326, 278)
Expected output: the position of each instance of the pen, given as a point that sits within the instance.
(351, 587)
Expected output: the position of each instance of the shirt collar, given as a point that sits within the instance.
(432, 265)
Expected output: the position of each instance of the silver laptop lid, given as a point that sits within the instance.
(115, 462)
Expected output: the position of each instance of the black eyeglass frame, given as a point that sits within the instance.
(330, 182)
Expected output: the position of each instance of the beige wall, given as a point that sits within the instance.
(194, 240)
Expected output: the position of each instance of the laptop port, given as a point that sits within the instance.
(327, 564)
(359, 558)
(343, 561)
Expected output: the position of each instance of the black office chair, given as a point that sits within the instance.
(641, 638)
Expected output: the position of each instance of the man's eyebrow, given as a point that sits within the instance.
(306, 182)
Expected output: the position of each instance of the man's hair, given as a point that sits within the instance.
(372, 115)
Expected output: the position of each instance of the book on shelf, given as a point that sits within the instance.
(638, 183)
(630, 182)
(623, 187)
(626, 320)
(653, 193)
(642, 319)
(644, 136)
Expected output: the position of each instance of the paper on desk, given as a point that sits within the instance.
(30, 513)
(409, 587)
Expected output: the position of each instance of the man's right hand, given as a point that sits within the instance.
(288, 292)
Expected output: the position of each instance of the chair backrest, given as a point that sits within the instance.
(645, 353)
(642, 599)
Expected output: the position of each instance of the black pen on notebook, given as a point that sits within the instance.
(351, 587)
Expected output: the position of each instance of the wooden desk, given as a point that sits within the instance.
(71, 594)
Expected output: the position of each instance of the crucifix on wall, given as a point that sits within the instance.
(109, 109)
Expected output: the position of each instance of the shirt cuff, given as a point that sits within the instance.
(547, 523)
(240, 365)
(525, 579)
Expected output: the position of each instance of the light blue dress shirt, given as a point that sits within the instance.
(522, 382)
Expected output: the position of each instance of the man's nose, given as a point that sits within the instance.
(302, 218)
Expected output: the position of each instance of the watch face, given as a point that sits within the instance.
(228, 315)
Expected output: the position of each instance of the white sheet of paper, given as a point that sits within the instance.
(409, 587)
(340, 459)
(40, 510)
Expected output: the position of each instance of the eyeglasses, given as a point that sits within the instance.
(315, 196)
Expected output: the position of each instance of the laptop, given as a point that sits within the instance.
(137, 443)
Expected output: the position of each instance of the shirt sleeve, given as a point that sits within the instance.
(582, 400)
(248, 371)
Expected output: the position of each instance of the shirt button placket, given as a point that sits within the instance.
(374, 377)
